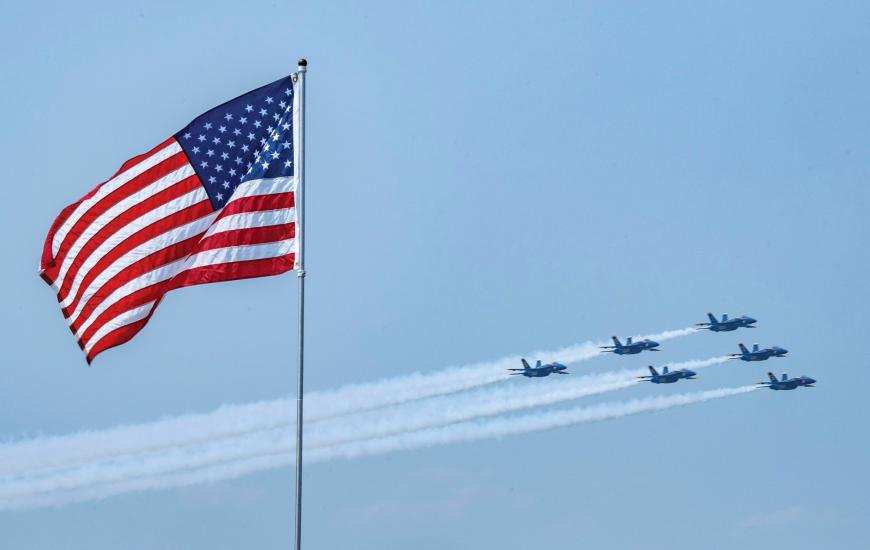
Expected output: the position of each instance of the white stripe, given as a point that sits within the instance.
(128, 317)
(247, 220)
(147, 279)
(265, 186)
(240, 254)
(122, 206)
(110, 186)
(161, 212)
(148, 247)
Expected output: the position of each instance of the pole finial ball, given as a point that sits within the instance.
(303, 62)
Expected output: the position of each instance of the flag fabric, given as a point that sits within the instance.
(214, 202)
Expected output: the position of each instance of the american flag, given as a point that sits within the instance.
(214, 202)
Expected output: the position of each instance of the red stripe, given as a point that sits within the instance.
(234, 270)
(47, 254)
(151, 262)
(118, 336)
(251, 235)
(139, 182)
(181, 188)
(272, 201)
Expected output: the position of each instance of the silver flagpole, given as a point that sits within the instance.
(300, 272)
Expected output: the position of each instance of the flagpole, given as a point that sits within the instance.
(300, 273)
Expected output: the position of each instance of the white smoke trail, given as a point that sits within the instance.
(501, 427)
(397, 419)
(273, 449)
(234, 420)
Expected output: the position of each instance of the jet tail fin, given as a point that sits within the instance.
(743, 348)
(628, 341)
(784, 377)
(616, 341)
(525, 364)
(754, 347)
(713, 320)
(772, 377)
(653, 371)
(665, 370)
(538, 364)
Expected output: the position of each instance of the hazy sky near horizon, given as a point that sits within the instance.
(483, 180)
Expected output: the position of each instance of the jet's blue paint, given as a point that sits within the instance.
(668, 377)
(758, 354)
(787, 383)
(630, 348)
(726, 324)
(539, 371)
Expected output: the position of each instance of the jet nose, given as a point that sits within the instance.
(690, 372)
(783, 351)
(811, 380)
(653, 344)
(750, 320)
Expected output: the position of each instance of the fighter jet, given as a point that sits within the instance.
(758, 354)
(539, 370)
(630, 348)
(668, 377)
(788, 383)
(726, 324)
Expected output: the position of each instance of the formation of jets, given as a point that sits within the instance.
(667, 376)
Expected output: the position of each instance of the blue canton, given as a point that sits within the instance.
(250, 137)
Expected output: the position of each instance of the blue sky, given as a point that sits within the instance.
(482, 180)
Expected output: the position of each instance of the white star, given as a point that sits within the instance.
(286, 144)
(263, 112)
(275, 116)
(269, 129)
(266, 147)
(226, 184)
(232, 171)
(222, 129)
(275, 154)
(237, 132)
(225, 155)
(212, 179)
(257, 124)
(265, 165)
(203, 164)
(262, 141)
(210, 152)
(287, 91)
(285, 126)
(208, 125)
(186, 135)
(201, 137)
(243, 120)
(231, 144)
(269, 100)
(282, 104)
(245, 148)
(276, 136)
(287, 164)
(220, 197)
(239, 159)
(249, 108)
(251, 137)
(219, 168)
(195, 150)
(216, 140)
(228, 117)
